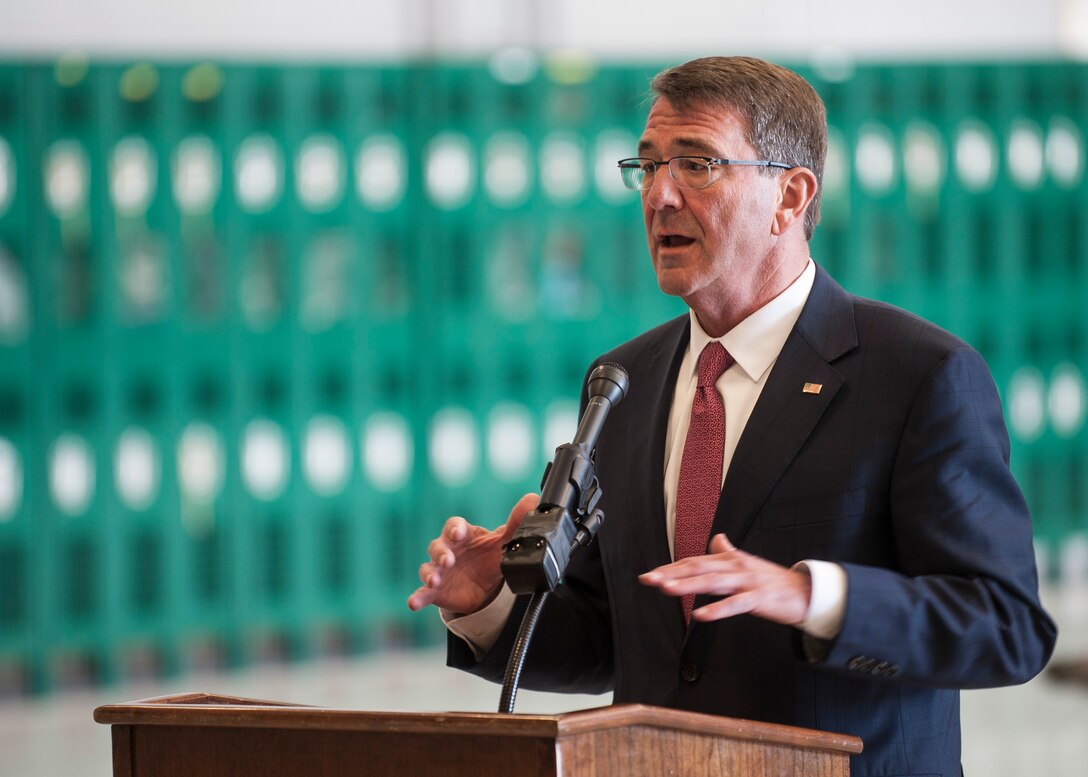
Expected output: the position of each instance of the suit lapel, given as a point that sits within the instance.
(785, 414)
(655, 381)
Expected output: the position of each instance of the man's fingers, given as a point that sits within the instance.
(715, 583)
(455, 530)
(442, 553)
(689, 567)
(420, 598)
(429, 575)
(443, 548)
(437, 549)
(739, 604)
(721, 544)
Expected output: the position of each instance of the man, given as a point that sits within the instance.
(869, 553)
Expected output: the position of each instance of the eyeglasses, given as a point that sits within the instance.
(689, 172)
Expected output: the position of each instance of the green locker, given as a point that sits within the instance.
(385, 353)
(69, 405)
(18, 446)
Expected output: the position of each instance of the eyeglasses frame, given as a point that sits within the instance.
(707, 159)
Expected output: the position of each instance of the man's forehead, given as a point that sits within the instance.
(696, 128)
(692, 143)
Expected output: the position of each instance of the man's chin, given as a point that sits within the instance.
(675, 283)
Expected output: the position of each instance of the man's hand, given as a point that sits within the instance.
(749, 584)
(463, 573)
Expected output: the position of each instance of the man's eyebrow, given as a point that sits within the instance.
(696, 144)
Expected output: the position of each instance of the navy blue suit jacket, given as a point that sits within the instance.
(897, 470)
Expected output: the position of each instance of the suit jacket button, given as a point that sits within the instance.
(880, 669)
(689, 673)
(857, 663)
(891, 671)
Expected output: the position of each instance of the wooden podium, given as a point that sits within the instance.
(205, 735)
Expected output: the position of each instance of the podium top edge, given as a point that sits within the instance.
(209, 709)
(623, 715)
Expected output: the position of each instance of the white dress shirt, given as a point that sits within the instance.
(754, 344)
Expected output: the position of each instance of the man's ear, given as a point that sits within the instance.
(797, 187)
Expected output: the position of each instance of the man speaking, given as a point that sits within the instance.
(811, 518)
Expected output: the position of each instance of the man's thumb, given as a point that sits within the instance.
(517, 515)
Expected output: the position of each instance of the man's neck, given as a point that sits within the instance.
(720, 314)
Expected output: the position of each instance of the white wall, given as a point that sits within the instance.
(626, 29)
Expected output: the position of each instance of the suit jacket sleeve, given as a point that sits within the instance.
(960, 609)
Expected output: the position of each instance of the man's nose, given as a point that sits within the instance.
(663, 191)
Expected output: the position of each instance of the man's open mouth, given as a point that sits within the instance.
(676, 241)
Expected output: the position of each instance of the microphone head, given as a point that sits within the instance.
(608, 380)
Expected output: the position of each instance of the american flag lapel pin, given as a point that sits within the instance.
(812, 388)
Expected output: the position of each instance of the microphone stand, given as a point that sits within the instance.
(566, 519)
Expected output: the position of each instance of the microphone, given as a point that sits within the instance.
(536, 556)
(607, 386)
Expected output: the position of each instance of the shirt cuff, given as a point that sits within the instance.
(827, 605)
(481, 629)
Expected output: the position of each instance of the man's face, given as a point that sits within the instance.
(709, 246)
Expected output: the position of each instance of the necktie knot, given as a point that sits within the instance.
(713, 361)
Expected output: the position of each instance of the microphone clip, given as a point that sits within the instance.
(535, 559)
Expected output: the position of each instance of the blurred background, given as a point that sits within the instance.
(282, 286)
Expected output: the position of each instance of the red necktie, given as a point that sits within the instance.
(701, 467)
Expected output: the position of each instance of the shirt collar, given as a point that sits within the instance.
(757, 340)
